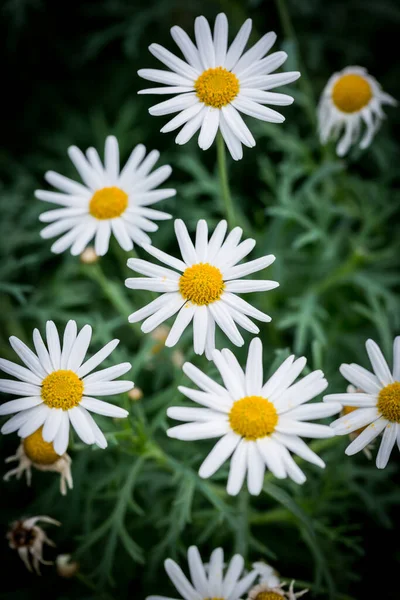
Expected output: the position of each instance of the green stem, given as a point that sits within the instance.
(304, 81)
(223, 174)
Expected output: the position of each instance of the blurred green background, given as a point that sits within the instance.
(69, 77)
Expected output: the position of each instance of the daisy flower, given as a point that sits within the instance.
(208, 581)
(56, 389)
(202, 287)
(378, 405)
(270, 587)
(350, 99)
(110, 201)
(28, 539)
(258, 423)
(33, 451)
(214, 84)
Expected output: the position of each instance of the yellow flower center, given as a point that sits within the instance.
(62, 389)
(253, 417)
(39, 451)
(351, 93)
(268, 596)
(389, 402)
(108, 203)
(347, 410)
(201, 284)
(217, 87)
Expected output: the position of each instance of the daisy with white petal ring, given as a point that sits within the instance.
(378, 405)
(350, 99)
(110, 201)
(270, 587)
(202, 287)
(56, 389)
(215, 83)
(208, 582)
(258, 423)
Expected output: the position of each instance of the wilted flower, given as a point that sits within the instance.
(28, 539)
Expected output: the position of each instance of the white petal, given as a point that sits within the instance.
(258, 111)
(232, 575)
(316, 410)
(266, 97)
(97, 358)
(191, 127)
(187, 249)
(173, 105)
(244, 307)
(187, 47)
(311, 430)
(254, 368)
(165, 258)
(232, 379)
(84, 237)
(70, 333)
(172, 306)
(255, 469)
(361, 378)
(109, 374)
(108, 388)
(42, 352)
(202, 415)
(215, 569)
(19, 388)
(182, 320)
(81, 425)
(278, 378)
(20, 372)
(270, 451)
(396, 359)
(387, 443)
(215, 242)
(183, 117)
(355, 420)
(299, 447)
(173, 62)
(220, 38)
(53, 344)
(60, 443)
(103, 408)
(264, 66)
(102, 238)
(236, 48)
(79, 349)
(66, 185)
(203, 381)
(204, 42)
(146, 268)
(52, 424)
(231, 140)
(165, 77)
(27, 356)
(36, 420)
(121, 234)
(236, 123)
(209, 127)
(293, 470)
(111, 157)
(243, 286)
(197, 571)
(152, 284)
(199, 431)
(268, 82)
(366, 436)
(247, 268)
(18, 420)
(379, 363)
(238, 467)
(20, 404)
(89, 176)
(99, 437)
(360, 400)
(179, 580)
(259, 50)
(213, 401)
(200, 324)
(219, 454)
(224, 320)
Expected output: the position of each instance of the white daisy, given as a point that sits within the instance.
(33, 451)
(56, 389)
(350, 99)
(257, 423)
(110, 201)
(215, 83)
(202, 286)
(209, 582)
(378, 404)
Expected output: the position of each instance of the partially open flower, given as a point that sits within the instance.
(270, 587)
(33, 451)
(28, 539)
(65, 566)
(89, 256)
(135, 394)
